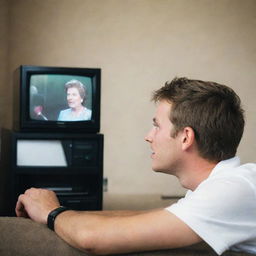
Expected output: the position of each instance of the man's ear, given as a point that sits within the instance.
(188, 138)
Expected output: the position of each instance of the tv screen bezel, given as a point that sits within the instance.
(26, 123)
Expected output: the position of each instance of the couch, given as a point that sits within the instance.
(23, 237)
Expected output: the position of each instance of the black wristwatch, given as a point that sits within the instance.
(53, 214)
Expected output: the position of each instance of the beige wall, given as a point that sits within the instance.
(4, 81)
(138, 44)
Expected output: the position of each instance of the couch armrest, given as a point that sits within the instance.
(23, 237)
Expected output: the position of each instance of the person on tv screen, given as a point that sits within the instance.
(76, 96)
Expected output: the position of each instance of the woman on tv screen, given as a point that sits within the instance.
(76, 97)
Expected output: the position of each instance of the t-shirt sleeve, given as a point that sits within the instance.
(221, 212)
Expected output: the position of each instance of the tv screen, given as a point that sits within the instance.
(57, 99)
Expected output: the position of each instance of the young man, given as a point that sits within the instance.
(197, 128)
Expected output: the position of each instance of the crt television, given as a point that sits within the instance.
(57, 99)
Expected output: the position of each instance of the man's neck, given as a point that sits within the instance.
(195, 172)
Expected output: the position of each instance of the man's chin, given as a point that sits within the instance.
(158, 169)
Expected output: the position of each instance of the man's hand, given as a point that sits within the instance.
(36, 204)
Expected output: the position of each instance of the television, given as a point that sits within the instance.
(57, 99)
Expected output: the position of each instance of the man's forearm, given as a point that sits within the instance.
(120, 213)
(68, 225)
(109, 234)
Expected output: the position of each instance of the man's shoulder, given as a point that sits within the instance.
(242, 173)
(233, 169)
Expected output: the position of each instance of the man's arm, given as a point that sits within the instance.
(119, 232)
(101, 234)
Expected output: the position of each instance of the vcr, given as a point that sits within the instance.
(69, 164)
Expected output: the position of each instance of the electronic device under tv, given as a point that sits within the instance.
(40, 96)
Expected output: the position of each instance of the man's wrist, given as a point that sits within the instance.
(53, 215)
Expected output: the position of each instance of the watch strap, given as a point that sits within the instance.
(53, 214)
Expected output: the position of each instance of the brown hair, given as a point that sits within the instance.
(212, 110)
(79, 86)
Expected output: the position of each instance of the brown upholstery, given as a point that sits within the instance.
(23, 237)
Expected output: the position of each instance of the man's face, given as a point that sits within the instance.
(165, 149)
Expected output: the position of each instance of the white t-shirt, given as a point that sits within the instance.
(222, 209)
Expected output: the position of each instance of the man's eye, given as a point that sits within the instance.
(155, 125)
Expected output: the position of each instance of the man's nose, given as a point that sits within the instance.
(148, 137)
